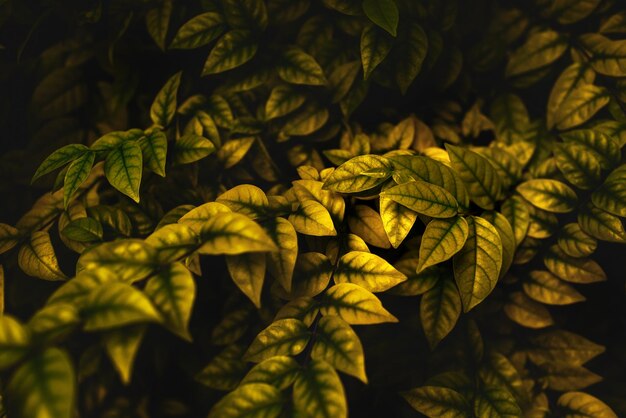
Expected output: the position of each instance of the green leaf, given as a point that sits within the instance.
(225, 370)
(122, 345)
(116, 304)
(173, 292)
(253, 400)
(578, 166)
(318, 392)
(477, 265)
(59, 158)
(279, 371)
(442, 239)
(375, 46)
(545, 287)
(298, 67)
(424, 198)
(198, 31)
(601, 225)
(281, 263)
(338, 345)
(43, 386)
(154, 151)
(570, 269)
(248, 272)
(76, 174)
(571, 79)
(123, 167)
(158, 22)
(234, 150)
(359, 174)
(582, 405)
(410, 52)
(354, 305)
(111, 217)
(434, 401)
(608, 56)
(384, 13)
(499, 371)
(496, 402)
(312, 218)
(283, 100)
(14, 341)
(515, 209)
(575, 242)
(190, 148)
(527, 312)
(130, 259)
(164, 106)
(282, 337)
(549, 195)
(38, 259)
(83, 230)
(541, 49)
(440, 309)
(233, 233)
(371, 272)
(480, 177)
(232, 50)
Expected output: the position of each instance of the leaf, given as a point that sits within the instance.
(368, 225)
(480, 177)
(154, 151)
(281, 263)
(283, 100)
(541, 48)
(572, 78)
(298, 67)
(338, 345)
(163, 108)
(611, 196)
(130, 259)
(250, 400)
(173, 291)
(375, 46)
(197, 217)
(312, 218)
(313, 190)
(582, 405)
(282, 337)
(547, 194)
(14, 341)
(560, 345)
(499, 371)
(354, 305)
(234, 150)
(246, 199)
(384, 13)
(424, 198)
(578, 166)
(158, 22)
(198, 31)
(496, 402)
(38, 259)
(122, 345)
(574, 270)
(608, 56)
(111, 217)
(545, 287)
(507, 237)
(599, 144)
(233, 233)
(311, 275)
(248, 272)
(279, 371)
(580, 106)
(515, 209)
(123, 166)
(411, 50)
(59, 158)
(371, 272)
(477, 266)
(9, 237)
(575, 242)
(246, 13)
(191, 148)
(232, 50)
(527, 312)
(563, 377)
(172, 242)
(440, 309)
(359, 174)
(601, 225)
(397, 220)
(434, 401)
(225, 370)
(318, 392)
(43, 386)
(442, 239)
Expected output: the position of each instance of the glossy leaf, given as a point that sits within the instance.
(76, 174)
(367, 270)
(282, 337)
(354, 305)
(278, 371)
(233, 233)
(312, 218)
(123, 167)
(442, 239)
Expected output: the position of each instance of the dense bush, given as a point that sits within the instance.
(273, 208)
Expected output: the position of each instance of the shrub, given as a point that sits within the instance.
(295, 208)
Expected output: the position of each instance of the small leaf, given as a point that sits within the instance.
(191, 148)
(424, 198)
(434, 401)
(356, 176)
(318, 392)
(123, 167)
(164, 106)
(545, 287)
(122, 345)
(232, 50)
(298, 67)
(76, 174)
(582, 405)
(248, 272)
(198, 31)
(354, 305)
(282, 337)
(477, 266)
(38, 259)
(234, 233)
(43, 386)
(154, 151)
(250, 400)
(440, 309)
(59, 158)
(371, 272)
(442, 239)
(14, 341)
(384, 13)
(116, 304)
(375, 46)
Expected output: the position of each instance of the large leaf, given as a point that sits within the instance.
(541, 48)
(164, 106)
(384, 13)
(38, 259)
(359, 174)
(601, 225)
(397, 220)
(234, 233)
(172, 242)
(599, 144)
(298, 67)
(424, 198)
(232, 50)
(583, 102)
(367, 223)
(123, 167)
(197, 217)
(480, 177)
(282, 337)
(611, 196)
(442, 239)
(14, 341)
(129, 259)
(507, 237)
(477, 265)
(575, 242)
(367, 270)
(59, 158)
(283, 100)
(582, 405)
(434, 401)
(253, 400)
(198, 31)
(318, 392)
(354, 305)
(549, 195)
(43, 386)
(375, 46)
(246, 199)
(338, 345)
(248, 272)
(440, 309)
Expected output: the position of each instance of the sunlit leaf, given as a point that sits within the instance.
(37, 258)
(599, 144)
(233, 233)
(318, 392)
(234, 150)
(246, 199)
(367, 270)
(197, 217)
(278, 371)
(547, 194)
(282, 337)
(122, 345)
(580, 105)
(312, 218)
(130, 259)
(442, 239)
(154, 149)
(424, 198)
(397, 220)
(368, 225)
(359, 174)
(575, 242)
(248, 273)
(354, 305)
(601, 225)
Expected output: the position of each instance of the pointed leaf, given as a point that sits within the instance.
(248, 272)
(318, 392)
(312, 218)
(424, 198)
(164, 106)
(197, 217)
(123, 167)
(234, 150)
(282, 101)
(575, 242)
(545, 287)
(440, 309)
(397, 220)
(191, 148)
(434, 401)
(442, 239)
(574, 270)
(496, 402)
(367, 270)
(254, 400)
(578, 166)
(601, 225)
(608, 56)
(541, 48)
(154, 151)
(547, 194)
(198, 31)
(560, 345)
(232, 50)
(234, 233)
(122, 345)
(282, 337)
(281, 263)
(384, 13)
(14, 341)
(375, 46)
(76, 174)
(129, 259)
(279, 371)
(38, 259)
(354, 305)
(411, 49)
(359, 174)
(298, 67)
(59, 158)
(527, 312)
(582, 405)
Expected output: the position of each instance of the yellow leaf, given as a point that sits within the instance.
(527, 312)
(318, 392)
(367, 270)
(579, 405)
(122, 346)
(440, 309)
(248, 272)
(38, 259)
(354, 305)
(251, 400)
(549, 195)
(359, 174)
(312, 218)
(367, 224)
(246, 199)
(233, 233)
(442, 239)
(423, 198)
(197, 217)
(282, 337)
(281, 263)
